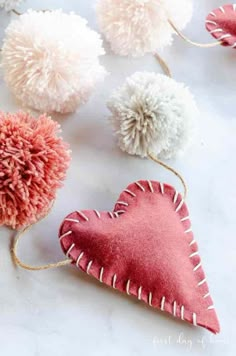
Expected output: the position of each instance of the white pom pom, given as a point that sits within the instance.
(9, 4)
(152, 113)
(51, 60)
(136, 27)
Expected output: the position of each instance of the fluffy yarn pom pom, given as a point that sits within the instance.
(153, 113)
(51, 60)
(9, 4)
(136, 27)
(33, 164)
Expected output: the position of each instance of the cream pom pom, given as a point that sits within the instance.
(51, 60)
(9, 4)
(136, 27)
(152, 113)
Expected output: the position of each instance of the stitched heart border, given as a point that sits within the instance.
(221, 23)
(85, 262)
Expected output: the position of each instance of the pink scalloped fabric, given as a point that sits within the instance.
(146, 249)
(221, 23)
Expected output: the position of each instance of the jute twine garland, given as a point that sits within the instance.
(161, 61)
(66, 262)
(152, 156)
(177, 31)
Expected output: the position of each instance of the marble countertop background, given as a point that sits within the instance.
(63, 312)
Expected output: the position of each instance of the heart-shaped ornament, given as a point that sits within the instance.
(221, 23)
(145, 248)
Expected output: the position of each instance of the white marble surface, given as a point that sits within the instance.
(63, 312)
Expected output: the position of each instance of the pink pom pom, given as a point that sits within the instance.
(33, 165)
(137, 27)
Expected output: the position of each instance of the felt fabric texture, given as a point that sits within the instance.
(146, 249)
(221, 23)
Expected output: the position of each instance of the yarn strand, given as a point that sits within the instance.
(163, 64)
(18, 262)
(196, 44)
(16, 12)
(156, 160)
(23, 265)
(21, 13)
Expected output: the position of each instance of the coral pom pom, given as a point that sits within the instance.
(51, 60)
(33, 164)
(153, 113)
(136, 27)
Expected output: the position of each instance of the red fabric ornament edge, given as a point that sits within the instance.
(221, 23)
(86, 263)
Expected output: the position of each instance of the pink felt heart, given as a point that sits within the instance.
(145, 247)
(221, 23)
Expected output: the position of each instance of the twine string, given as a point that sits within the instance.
(169, 168)
(16, 12)
(196, 44)
(163, 63)
(18, 261)
(164, 66)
